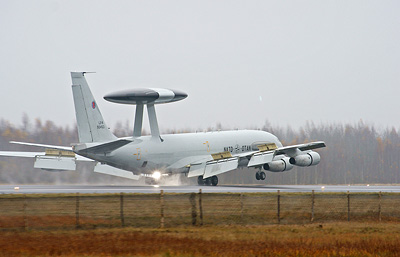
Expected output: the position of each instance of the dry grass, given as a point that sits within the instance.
(235, 225)
(331, 239)
(144, 210)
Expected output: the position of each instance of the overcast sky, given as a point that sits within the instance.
(241, 62)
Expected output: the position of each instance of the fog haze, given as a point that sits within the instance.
(241, 62)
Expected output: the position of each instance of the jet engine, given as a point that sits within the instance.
(279, 165)
(306, 159)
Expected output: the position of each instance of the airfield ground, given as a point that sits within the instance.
(319, 239)
(244, 224)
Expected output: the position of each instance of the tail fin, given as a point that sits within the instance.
(91, 126)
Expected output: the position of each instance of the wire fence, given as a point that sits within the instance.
(26, 212)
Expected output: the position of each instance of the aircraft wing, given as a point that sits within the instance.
(21, 154)
(224, 161)
(51, 162)
(65, 148)
(37, 154)
(289, 150)
(54, 158)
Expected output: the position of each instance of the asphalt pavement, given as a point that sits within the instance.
(91, 189)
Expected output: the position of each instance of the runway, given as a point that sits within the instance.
(93, 189)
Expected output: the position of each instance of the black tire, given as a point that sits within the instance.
(258, 175)
(262, 175)
(214, 180)
(200, 181)
(207, 181)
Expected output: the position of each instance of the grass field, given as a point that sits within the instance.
(173, 210)
(262, 224)
(149, 210)
(329, 239)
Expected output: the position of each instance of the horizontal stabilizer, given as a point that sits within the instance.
(105, 148)
(109, 170)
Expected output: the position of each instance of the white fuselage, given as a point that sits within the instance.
(175, 151)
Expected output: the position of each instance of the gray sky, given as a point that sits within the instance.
(241, 62)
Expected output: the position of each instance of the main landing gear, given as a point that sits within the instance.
(211, 181)
(260, 175)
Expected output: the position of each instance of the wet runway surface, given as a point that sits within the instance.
(91, 189)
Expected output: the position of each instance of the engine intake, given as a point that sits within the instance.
(279, 165)
(308, 159)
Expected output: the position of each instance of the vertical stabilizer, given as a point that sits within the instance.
(91, 126)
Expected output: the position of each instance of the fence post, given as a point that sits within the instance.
(162, 208)
(77, 225)
(25, 206)
(279, 207)
(312, 205)
(348, 206)
(121, 201)
(200, 208)
(380, 207)
(192, 199)
(241, 207)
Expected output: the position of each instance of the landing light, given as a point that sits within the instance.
(156, 175)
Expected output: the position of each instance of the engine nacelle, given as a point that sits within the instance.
(279, 165)
(308, 159)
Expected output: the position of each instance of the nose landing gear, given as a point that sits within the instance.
(208, 181)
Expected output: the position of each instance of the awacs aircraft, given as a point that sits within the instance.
(202, 155)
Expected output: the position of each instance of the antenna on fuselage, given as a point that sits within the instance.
(137, 126)
(149, 97)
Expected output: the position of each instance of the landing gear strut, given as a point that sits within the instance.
(200, 181)
(214, 180)
(208, 181)
(150, 181)
(260, 175)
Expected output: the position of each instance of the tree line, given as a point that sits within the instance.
(355, 154)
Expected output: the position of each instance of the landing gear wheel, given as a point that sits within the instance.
(214, 180)
(262, 175)
(207, 181)
(200, 181)
(258, 175)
